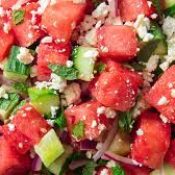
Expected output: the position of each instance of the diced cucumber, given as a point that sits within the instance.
(43, 99)
(159, 35)
(168, 170)
(7, 105)
(22, 103)
(14, 69)
(120, 144)
(84, 61)
(57, 165)
(169, 7)
(49, 148)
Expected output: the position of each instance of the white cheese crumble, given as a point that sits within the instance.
(139, 132)
(11, 127)
(2, 12)
(101, 127)
(101, 11)
(152, 63)
(142, 26)
(20, 145)
(110, 113)
(3, 93)
(25, 56)
(6, 27)
(69, 63)
(89, 154)
(173, 93)
(104, 171)
(94, 124)
(162, 101)
(91, 53)
(163, 118)
(47, 39)
(53, 110)
(111, 164)
(101, 110)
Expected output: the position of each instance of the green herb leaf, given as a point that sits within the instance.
(147, 50)
(78, 130)
(100, 67)
(20, 87)
(126, 122)
(89, 168)
(60, 121)
(157, 5)
(68, 73)
(18, 16)
(117, 170)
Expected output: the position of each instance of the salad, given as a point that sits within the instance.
(87, 87)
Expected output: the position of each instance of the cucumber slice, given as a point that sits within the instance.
(58, 164)
(7, 105)
(22, 103)
(84, 61)
(162, 48)
(169, 7)
(168, 170)
(49, 148)
(43, 99)
(14, 69)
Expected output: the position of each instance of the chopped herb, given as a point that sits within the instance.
(147, 50)
(60, 121)
(68, 73)
(126, 122)
(117, 170)
(78, 130)
(20, 87)
(157, 5)
(89, 168)
(18, 16)
(100, 67)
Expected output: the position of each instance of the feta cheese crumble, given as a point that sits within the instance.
(162, 101)
(25, 56)
(139, 132)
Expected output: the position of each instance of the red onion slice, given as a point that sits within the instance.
(107, 142)
(76, 164)
(111, 156)
(36, 164)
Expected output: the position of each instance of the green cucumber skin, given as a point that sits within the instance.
(84, 65)
(43, 99)
(14, 69)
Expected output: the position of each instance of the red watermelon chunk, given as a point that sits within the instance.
(6, 41)
(51, 54)
(11, 162)
(135, 170)
(27, 33)
(130, 9)
(151, 141)
(86, 113)
(170, 156)
(63, 17)
(117, 42)
(16, 139)
(162, 96)
(31, 123)
(117, 87)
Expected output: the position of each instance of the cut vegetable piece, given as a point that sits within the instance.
(167, 169)
(169, 7)
(49, 148)
(14, 69)
(117, 42)
(84, 61)
(43, 99)
(6, 41)
(7, 105)
(58, 164)
(22, 103)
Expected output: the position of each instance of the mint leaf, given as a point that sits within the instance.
(68, 73)
(78, 130)
(89, 168)
(100, 67)
(117, 170)
(60, 121)
(18, 16)
(20, 87)
(126, 122)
